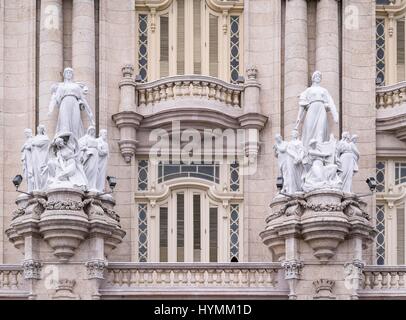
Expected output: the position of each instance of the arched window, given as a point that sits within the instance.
(190, 37)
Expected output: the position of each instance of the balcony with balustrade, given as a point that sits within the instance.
(12, 283)
(192, 280)
(195, 101)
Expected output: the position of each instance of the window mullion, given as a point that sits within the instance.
(189, 37)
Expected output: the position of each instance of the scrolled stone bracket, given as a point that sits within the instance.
(32, 269)
(96, 268)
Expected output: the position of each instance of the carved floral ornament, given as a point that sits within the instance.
(298, 206)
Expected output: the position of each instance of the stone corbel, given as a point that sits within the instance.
(293, 270)
(127, 120)
(391, 24)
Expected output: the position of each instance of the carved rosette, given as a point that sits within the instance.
(96, 268)
(32, 269)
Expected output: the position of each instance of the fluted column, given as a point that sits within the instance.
(327, 51)
(296, 60)
(50, 58)
(83, 47)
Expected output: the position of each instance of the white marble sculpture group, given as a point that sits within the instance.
(72, 159)
(317, 160)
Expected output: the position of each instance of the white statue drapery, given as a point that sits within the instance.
(103, 149)
(69, 96)
(40, 145)
(26, 159)
(347, 155)
(89, 156)
(314, 103)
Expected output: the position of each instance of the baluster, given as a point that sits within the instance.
(389, 100)
(156, 96)
(393, 279)
(177, 89)
(377, 279)
(385, 281)
(367, 280)
(396, 98)
(236, 98)
(401, 281)
(170, 90)
(150, 97)
(402, 94)
(229, 94)
(212, 91)
(116, 279)
(381, 100)
(142, 97)
(162, 93)
(125, 280)
(205, 90)
(186, 88)
(14, 279)
(218, 93)
(195, 88)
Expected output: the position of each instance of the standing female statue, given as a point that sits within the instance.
(40, 145)
(89, 157)
(347, 155)
(103, 148)
(314, 103)
(69, 96)
(26, 158)
(289, 156)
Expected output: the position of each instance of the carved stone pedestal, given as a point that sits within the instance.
(66, 236)
(324, 232)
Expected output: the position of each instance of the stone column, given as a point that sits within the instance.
(50, 58)
(83, 48)
(327, 51)
(296, 60)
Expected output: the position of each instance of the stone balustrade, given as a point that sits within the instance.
(384, 277)
(12, 283)
(187, 87)
(391, 96)
(252, 279)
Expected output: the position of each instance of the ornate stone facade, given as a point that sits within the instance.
(231, 87)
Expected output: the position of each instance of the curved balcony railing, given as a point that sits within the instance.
(189, 86)
(383, 282)
(195, 278)
(391, 96)
(12, 283)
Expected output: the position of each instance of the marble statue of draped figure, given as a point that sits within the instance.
(26, 159)
(289, 156)
(89, 157)
(69, 96)
(103, 148)
(347, 157)
(64, 167)
(314, 103)
(40, 146)
(321, 174)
